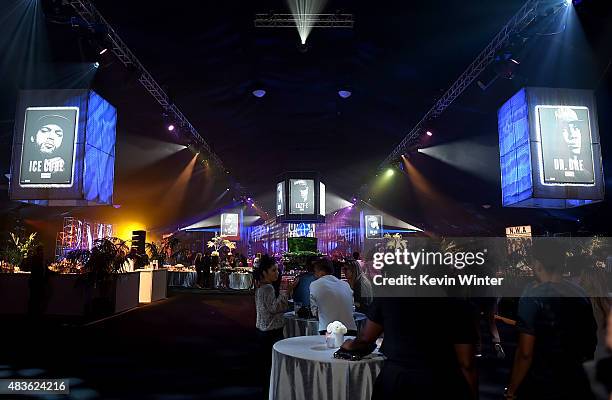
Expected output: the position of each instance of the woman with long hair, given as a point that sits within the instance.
(270, 308)
(363, 292)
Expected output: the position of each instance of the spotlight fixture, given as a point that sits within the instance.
(345, 94)
(568, 2)
(389, 173)
(171, 127)
(104, 50)
(429, 133)
(302, 47)
(259, 93)
(96, 65)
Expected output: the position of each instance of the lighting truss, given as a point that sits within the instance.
(517, 23)
(312, 20)
(90, 14)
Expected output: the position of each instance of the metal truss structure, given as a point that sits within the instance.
(90, 14)
(79, 235)
(517, 23)
(311, 20)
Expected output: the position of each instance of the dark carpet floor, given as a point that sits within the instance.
(193, 345)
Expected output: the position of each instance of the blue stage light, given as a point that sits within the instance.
(259, 93)
(344, 93)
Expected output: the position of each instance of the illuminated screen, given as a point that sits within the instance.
(566, 150)
(321, 198)
(373, 226)
(229, 224)
(301, 196)
(49, 147)
(280, 198)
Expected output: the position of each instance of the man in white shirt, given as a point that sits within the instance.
(330, 298)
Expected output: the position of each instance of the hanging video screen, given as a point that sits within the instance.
(229, 224)
(49, 147)
(566, 145)
(301, 196)
(321, 198)
(373, 226)
(280, 198)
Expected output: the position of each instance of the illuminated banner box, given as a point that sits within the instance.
(230, 226)
(63, 148)
(300, 197)
(549, 147)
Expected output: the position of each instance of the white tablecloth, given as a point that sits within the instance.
(303, 368)
(185, 279)
(233, 280)
(240, 281)
(295, 326)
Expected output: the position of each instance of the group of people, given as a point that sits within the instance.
(206, 264)
(431, 344)
(320, 288)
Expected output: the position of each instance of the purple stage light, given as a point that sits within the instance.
(259, 93)
(429, 133)
(345, 94)
(171, 127)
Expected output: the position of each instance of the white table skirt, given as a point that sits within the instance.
(303, 368)
(295, 326)
(240, 281)
(233, 280)
(185, 279)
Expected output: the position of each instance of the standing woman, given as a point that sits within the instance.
(270, 309)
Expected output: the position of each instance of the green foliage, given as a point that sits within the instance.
(19, 247)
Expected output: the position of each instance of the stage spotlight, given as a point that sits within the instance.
(171, 127)
(345, 94)
(259, 93)
(96, 65)
(389, 173)
(429, 133)
(568, 2)
(104, 50)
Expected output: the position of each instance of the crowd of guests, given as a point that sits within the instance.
(431, 344)
(205, 264)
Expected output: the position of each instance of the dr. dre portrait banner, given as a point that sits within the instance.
(566, 145)
(230, 225)
(550, 154)
(49, 147)
(301, 196)
(373, 226)
(63, 148)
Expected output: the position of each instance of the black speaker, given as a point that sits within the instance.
(139, 239)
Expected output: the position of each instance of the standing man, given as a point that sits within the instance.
(557, 333)
(330, 298)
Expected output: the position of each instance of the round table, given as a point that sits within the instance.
(233, 280)
(240, 280)
(185, 279)
(296, 326)
(303, 368)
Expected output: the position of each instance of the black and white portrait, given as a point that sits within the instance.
(302, 196)
(566, 146)
(48, 146)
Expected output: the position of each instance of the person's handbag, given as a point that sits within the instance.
(354, 355)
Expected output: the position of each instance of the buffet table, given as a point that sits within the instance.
(233, 280)
(241, 280)
(184, 278)
(303, 368)
(296, 326)
(153, 284)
